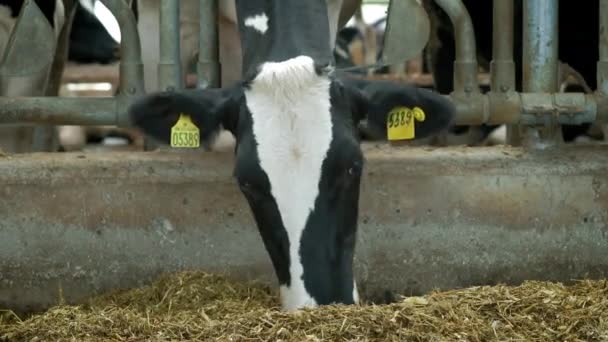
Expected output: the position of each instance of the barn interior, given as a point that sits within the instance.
(513, 199)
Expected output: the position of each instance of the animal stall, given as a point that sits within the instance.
(463, 243)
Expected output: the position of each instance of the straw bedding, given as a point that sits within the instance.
(201, 307)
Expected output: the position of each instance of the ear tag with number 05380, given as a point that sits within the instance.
(185, 134)
(400, 123)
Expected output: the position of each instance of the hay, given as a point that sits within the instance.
(197, 306)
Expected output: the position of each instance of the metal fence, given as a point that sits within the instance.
(538, 107)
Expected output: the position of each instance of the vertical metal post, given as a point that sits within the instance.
(131, 66)
(208, 69)
(465, 65)
(540, 61)
(602, 66)
(502, 67)
(169, 66)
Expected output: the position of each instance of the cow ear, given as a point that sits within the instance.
(210, 109)
(374, 100)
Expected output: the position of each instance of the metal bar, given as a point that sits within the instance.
(465, 65)
(208, 68)
(169, 66)
(131, 66)
(527, 108)
(61, 111)
(540, 46)
(602, 66)
(540, 63)
(502, 67)
(491, 108)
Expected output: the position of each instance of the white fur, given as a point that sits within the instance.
(258, 22)
(355, 293)
(290, 107)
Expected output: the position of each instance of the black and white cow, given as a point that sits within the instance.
(90, 42)
(298, 159)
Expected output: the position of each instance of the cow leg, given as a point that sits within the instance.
(49, 137)
(22, 139)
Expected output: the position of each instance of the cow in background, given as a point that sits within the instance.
(87, 42)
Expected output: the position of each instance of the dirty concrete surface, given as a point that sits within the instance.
(77, 224)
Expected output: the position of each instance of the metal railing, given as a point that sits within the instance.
(538, 105)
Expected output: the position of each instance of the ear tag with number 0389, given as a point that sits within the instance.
(184, 133)
(400, 123)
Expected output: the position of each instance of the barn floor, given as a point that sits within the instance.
(85, 223)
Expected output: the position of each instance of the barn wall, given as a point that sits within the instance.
(80, 224)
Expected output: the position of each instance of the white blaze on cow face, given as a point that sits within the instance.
(290, 108)
(258, 22)
(355, 293)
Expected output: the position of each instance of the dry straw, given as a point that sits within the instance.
(203, 307)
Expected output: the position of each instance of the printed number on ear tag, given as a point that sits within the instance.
(184, 133)
(400, 123)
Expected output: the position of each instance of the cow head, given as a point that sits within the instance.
(298, 159)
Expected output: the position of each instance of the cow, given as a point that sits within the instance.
(298, 160)
(90, 42)
(16, 138)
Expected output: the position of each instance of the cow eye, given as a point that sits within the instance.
(354, 169)
(245, 185)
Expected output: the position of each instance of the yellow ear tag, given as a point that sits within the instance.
(185, 134)
(400, 123)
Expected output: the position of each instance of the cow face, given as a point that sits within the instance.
(298, 161)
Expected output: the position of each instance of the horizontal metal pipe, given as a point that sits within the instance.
(131, 66)
(62, 111)
(465, 65)
(528, 108)
(491, 108)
